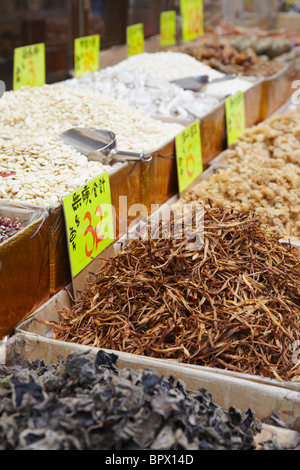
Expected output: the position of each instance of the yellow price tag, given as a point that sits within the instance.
(29, 66)
(135, 39)
(235, 117)
(192, 19)
(89, 222)
(86, 54)
(189, 155)
(168, 28)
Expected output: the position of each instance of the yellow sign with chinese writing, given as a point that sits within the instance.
(135, 39)
(86, 54)
(189, 155)
(29, 66)
(235, 117)
(168, 28)
(89, 219)
(192, 19)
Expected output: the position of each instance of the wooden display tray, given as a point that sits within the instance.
(266, 397)
(278, 88)
(225, 392)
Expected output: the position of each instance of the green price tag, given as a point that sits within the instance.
(89, 222)
(29, 66)
(189, 155)
(235, 117)
(192, 19)
(168, 28)
(86, 54)
(135, 39)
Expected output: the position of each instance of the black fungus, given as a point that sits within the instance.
(88, 404)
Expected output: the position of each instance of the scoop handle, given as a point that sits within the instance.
(133, 156)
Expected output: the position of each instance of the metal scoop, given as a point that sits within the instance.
(100, 146)
(196, 83)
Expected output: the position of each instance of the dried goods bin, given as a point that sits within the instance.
(277, 90)
(24, 269)
(125, 182)
(265, 396)
(134, 188)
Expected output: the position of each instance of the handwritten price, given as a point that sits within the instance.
(29, 66)
(90, 222)
(87, 54)
(94, 231)
(135, 39)
(89, 61)
(136, 48)
(235, 117)
(192, 14)
(190, 163)
(194, 21)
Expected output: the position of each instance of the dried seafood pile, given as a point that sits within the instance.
(225, 58)
(260, 173)
(233, 304)
(8, 228)
(82, 404)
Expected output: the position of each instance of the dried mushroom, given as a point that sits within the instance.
(82, 404)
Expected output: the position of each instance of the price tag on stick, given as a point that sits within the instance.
(168, 28)
(135, 39)
(192, 19)
(86, 54)
(189, 156)
(89, 222)
(235, 117)
(29, 66)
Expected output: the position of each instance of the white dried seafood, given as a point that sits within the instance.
(49, 110)
(175, 65)
(155, 96)
(42, 172)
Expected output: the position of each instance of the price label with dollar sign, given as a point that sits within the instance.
(86, 54)
(29, 66)
(168, 28)
(135, 39)
(189, 156)
(89, 219)
(235, 117)
(192, 19)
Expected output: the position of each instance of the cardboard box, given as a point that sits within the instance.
(266, 397)
(24, 266)
(288, 21)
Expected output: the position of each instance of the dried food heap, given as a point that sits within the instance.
(241, 55)
(233, 304)
(154, 96)
(8, 228)
(82, 404)
(260, 173)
